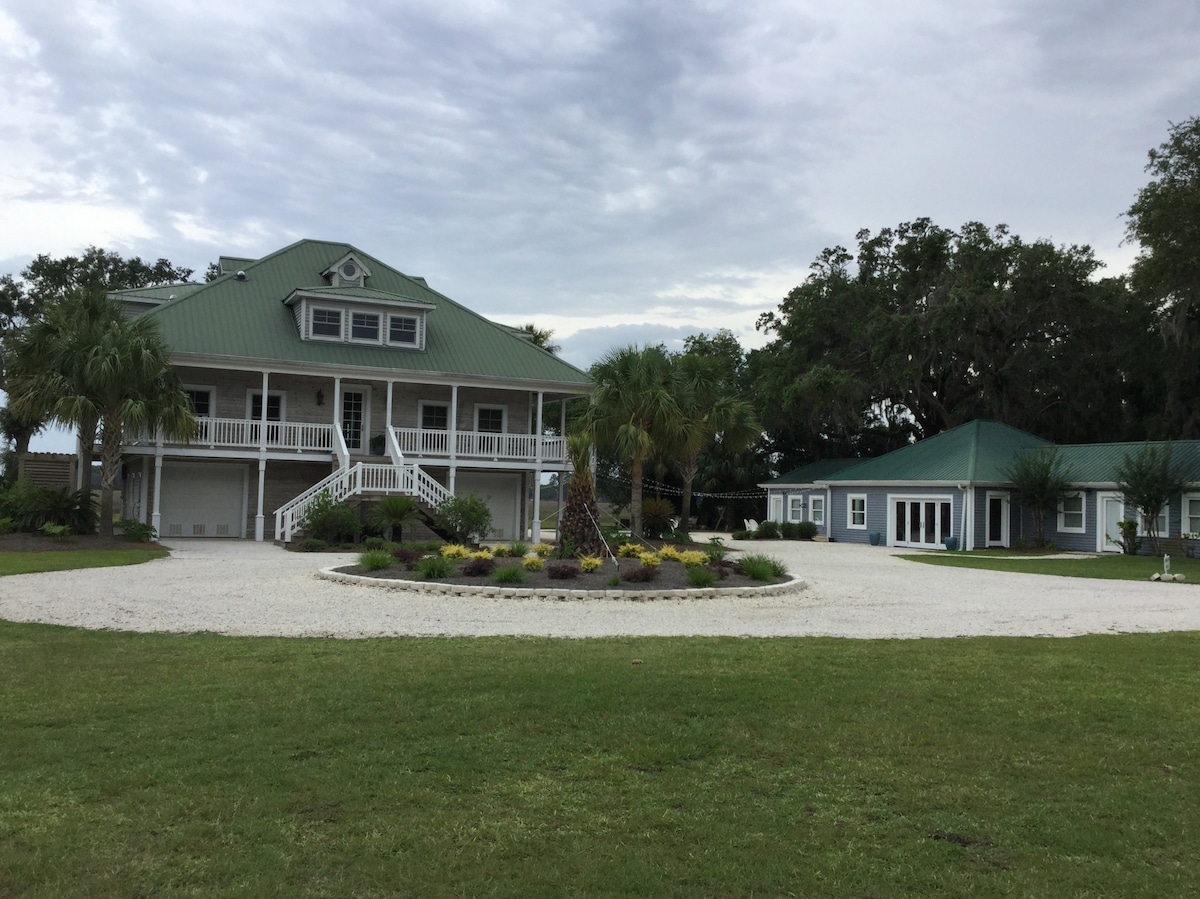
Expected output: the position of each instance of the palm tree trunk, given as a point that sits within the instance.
(687, 471)
(110, 461)
(635, 496)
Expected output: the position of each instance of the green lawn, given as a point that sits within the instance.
(29, 563)
(1112, 566)
(159, 765)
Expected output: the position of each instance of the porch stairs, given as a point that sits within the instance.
(395, 477)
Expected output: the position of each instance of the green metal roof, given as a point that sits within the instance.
(811, 473)
(366, 293)
(1097, 463)
(976, 452)
(228, 318)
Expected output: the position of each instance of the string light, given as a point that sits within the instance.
(671, 490)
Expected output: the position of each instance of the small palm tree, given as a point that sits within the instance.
(85, 364)
(580, 519)
(393, 512)
(633, 412)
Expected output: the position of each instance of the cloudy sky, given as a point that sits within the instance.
(620, 172)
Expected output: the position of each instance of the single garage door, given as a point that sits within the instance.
(201, 499)
(502, 493)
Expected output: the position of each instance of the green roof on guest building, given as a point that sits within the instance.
(243, 318)
(975, 453)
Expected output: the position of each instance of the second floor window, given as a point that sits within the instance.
(327, 323)
(435, 417)
(364, 326)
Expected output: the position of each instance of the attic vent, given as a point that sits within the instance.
(350, 271)
(241, 276)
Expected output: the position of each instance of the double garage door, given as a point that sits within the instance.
(202, 499)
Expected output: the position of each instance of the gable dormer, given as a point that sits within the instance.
(349, 271)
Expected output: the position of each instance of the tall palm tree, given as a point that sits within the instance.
(708, 412)
(634, 411)
(85, 364)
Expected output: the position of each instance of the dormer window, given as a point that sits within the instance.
(327, 323)
(362, 316)
(402, 329)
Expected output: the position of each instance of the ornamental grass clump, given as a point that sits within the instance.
(518, 548)
(759, 567)
(376, 559)
(455, 551)
(480, 554)
(509, 574)
(433, 567)
(701, 577)
(671, 553)
(533, 563)
(500, 551)
(543, 550)
(693, 557)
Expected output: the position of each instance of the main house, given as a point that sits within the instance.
(953, 486)
(320, 368)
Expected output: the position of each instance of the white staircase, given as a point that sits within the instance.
(361, 477)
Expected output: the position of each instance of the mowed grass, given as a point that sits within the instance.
(66, 560)
(161, 765)
(1110, 566)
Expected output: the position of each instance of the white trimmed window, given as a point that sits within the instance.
(490, 419)
(1070, 514)
(796, 507)
(364, 326)
(1191, 513)
(1163, 529)
(201, 399)
(856, 511)
(327, 323)
(435, 417)
(402, 329)
(816, 511)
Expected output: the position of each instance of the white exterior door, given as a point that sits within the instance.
(1111, 512)
(922, 522)
(997, 519)
(776, 511)
(202, 499)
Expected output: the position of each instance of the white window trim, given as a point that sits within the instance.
(479, 407)
(794, 514)
(255, 391)
(1164, 518)
(379, 323)
(342, 321)
(816, 510)
(1183, 512)
(421, 404)
(419, 341)
(212, 397)
(850, 498)
(1062, 513)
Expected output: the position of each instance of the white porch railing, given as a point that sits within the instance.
(480, 445)
(361, 477)
(246, 433)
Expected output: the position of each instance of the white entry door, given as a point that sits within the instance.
(1112, 511)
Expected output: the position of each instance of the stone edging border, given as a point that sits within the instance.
(559, 593)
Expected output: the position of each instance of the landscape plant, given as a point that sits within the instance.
(1148, 479)
(588, 564)
(581, 515)
(1040, 480)
(434, 567)
(533, 563)
(509, 574)
(376, 559)
(465, 518)
(136, 531)
(761, 567)
(391, 513)
(699, 576)
(329, 520)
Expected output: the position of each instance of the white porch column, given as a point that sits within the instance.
(144, 491)
(387, 424)
(156, 517)
(537, 473)
(453, 436)
(259, 519)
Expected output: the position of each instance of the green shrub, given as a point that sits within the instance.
(518, 548)
(768, 530)
(432, 567)
(716, 549)
(7, 525)
(391, 513)
(329, 521)
(789, 530)
(59, 531)
(509, 574)
(313, 545)
(701, 577)
(742, 535)
(806, 530)
(465, 518)
(376, 559)
(614, 581)
(640, 575)
(31, 506)
(759, 567)
(136, 531)
(374, 543)
(533, 563)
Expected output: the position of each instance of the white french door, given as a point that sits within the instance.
(921, 522)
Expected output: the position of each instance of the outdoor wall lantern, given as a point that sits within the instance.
(320, 397)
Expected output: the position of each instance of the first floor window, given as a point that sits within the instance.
(817, 511)
(1191, 513)
(1160, 523)
(1070, 513)
(435, 417)
(795, 508)
(201, 401)
(856, 514)
(490, 421)
(327, 323)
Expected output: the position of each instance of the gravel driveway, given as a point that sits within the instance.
(246, 588)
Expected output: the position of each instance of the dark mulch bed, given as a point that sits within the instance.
(38, 543)
(671, 576)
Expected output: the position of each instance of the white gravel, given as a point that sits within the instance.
(246, 588)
